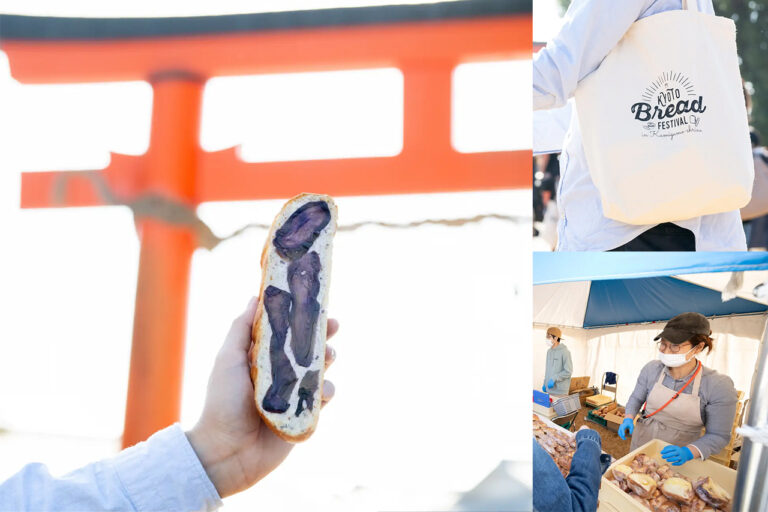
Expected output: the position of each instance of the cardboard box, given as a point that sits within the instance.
(613, 421)
(578, 383)
(613, 499)
(550, 423)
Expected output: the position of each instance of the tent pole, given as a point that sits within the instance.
(751, 485)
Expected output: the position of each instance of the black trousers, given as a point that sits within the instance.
(664, 237)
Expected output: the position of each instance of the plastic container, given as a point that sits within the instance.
(541, 398)
(613, 499)
(544, 412)
(594, 418)
(566, 405)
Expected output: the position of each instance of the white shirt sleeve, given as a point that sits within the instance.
(591, 28)
(162, 473)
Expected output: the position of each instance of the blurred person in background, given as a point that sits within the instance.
(557, 376)
(590, 30)
(546, 176)
(755, 214)
(226, 452)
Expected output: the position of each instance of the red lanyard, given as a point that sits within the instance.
(677, 394)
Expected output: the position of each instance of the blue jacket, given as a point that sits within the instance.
(576, 493)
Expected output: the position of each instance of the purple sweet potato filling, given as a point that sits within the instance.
(277, 304)
(299, 232)
(307, 390)
(304, 283)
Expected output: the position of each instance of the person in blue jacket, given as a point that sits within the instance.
(579, 490)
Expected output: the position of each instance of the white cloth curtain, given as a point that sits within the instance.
(549, 303)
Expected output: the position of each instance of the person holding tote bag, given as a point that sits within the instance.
(657, 156)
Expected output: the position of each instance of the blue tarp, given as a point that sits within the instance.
(629, 301)
(559, 267)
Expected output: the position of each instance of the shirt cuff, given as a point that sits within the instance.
(700, 452)
(164, 473)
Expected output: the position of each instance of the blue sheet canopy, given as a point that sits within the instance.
(652, 299)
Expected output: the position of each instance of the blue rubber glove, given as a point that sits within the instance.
(544, 388)
(677, 455)
(626, 425)
(550, 383)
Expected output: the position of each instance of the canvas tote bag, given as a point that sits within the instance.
(664, 121)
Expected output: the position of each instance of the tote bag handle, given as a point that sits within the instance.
(691, 5)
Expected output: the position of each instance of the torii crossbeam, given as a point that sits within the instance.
(177, 55)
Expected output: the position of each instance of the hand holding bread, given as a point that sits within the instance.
(232, 442)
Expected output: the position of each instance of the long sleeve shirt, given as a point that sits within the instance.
(576, 493)
(591, 29)
(160, 474)
(559, 368)
(718, 400)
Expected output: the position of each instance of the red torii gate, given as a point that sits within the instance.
(177, 56)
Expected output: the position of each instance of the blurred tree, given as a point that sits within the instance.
(751, 18)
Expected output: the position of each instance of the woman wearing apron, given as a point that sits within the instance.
(679, 400)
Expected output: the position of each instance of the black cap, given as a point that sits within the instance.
(684, 327)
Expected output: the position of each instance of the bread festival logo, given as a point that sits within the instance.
(670, 107)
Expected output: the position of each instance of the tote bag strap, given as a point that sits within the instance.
(691, 5)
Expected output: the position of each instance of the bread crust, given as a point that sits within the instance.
(259, 317)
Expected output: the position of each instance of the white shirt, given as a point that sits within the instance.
(161, 474)
(590, 31)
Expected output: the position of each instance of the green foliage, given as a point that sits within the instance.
(751, 18)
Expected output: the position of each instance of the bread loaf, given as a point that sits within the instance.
(288, 355)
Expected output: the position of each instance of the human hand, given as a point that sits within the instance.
(544, 388)
(628, 425)
(550, 383)
(677, 455)
(236, 448)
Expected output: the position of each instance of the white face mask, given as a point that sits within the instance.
(674, 360)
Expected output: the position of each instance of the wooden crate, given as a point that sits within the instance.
(613, 499)
(598, 400)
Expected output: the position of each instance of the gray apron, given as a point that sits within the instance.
(679, 423)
